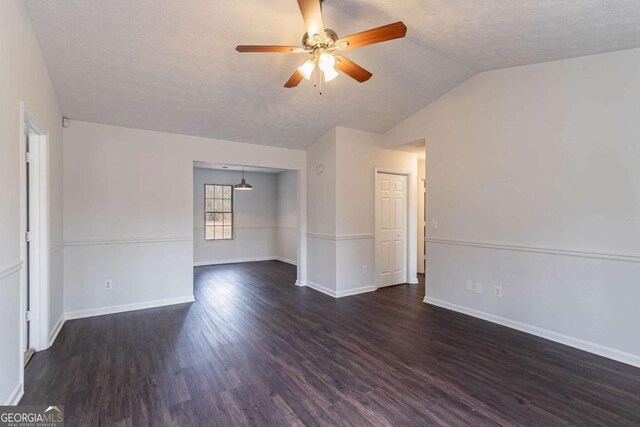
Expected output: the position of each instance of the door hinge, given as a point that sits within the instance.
(28, 316)
(27, 236)
(27, 157)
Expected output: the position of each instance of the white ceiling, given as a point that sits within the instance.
(171, 66)
(236, 168)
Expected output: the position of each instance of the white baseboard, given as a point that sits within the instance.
(288, 261)
(127, 307)
(338, 294)
(321, 288)
(414, 281)
(233, 261)
(355, 291)
(300, 283)
(15, 396)
(610, 353)
(56, 330)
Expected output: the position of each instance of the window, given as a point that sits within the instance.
(218, 212)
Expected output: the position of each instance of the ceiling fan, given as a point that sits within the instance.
(323, 44)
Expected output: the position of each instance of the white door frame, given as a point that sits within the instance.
(39, 233)
(423, 249)
(411, 225)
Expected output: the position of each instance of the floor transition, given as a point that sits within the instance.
(256, 350)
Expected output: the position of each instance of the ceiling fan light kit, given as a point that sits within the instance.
(307, 68)
(323, 44)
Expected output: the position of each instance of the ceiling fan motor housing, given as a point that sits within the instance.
(330, 37)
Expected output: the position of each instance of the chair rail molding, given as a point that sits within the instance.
(9, 269)
(341, 236)
(56, 248)
(127, 240)
(580, 253)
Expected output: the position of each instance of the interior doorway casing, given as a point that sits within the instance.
(38, 255)
(301, 181)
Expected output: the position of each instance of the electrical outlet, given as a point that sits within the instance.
(468, 285)
(364, 269)
(498, 291)
(108, 284)
(479, 288)
(434, 224)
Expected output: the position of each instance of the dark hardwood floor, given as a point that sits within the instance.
(256, 350)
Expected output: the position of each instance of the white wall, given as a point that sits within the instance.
(321, 196)
(254, 215)
(129, 212)
(341, 209)
(533, 176)
(23, 77)
(287, 216)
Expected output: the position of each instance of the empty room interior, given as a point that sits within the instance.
(319, 212)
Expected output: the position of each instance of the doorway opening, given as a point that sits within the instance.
(233, 224)
(35, 237)
(419, 149)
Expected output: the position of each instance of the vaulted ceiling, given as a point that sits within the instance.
(170, 65)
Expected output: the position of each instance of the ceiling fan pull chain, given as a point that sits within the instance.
(315, 77)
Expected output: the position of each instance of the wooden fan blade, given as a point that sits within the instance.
(375, 35)
(352, 69)
(294, 80)
(267, 48)
(312, 14)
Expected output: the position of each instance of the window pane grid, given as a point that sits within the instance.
(218, 212)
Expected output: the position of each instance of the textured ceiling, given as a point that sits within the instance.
(170, 65)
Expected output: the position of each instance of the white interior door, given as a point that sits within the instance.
(391, 229)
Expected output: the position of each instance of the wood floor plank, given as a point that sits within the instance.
(256, 350)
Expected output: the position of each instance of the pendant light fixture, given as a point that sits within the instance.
(243, 184)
